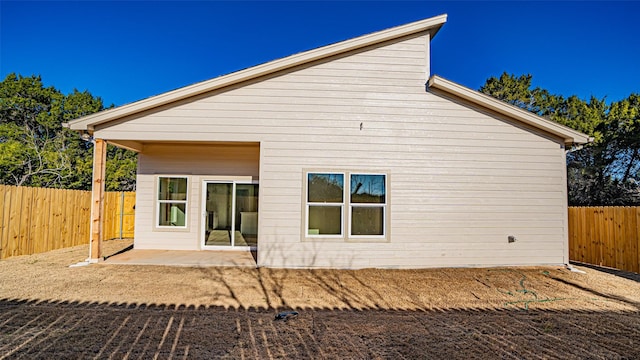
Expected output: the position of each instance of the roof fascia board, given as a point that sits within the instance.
(569, 135)
(432, 25)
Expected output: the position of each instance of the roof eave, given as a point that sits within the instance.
(569, 135)
(431, 25)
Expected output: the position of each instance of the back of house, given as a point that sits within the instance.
(347, 156)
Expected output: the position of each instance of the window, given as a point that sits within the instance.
(172, 202)
(367, 204)
(325, 203)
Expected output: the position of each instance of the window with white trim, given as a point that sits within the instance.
(330, 212)
(367, 204)
(172, 202)
(325, 204)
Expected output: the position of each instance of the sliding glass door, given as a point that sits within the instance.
(231, 215)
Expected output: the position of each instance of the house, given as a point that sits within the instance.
(350, 155)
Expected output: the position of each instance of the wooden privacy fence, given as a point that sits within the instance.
(119, 215)
(605, 236)
(34, 220)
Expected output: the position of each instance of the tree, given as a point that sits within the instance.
(604, 172)
(35, 150)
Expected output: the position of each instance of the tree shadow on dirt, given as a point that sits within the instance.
(39, 329)
(332, 286)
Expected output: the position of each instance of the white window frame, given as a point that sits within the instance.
(341, 205)
(159, 202)
(377, 205)
(346, 208)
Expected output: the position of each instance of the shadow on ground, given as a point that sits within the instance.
(624, 274)
(38, 330)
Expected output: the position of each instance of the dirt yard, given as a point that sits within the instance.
(48, 309)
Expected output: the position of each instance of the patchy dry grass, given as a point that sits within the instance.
(48, 277)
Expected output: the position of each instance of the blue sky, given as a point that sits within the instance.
(129, 50)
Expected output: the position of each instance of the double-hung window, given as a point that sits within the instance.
(367, 204)
(351, 204)
(325, 204)
(172, 202)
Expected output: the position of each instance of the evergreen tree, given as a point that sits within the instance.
(605, 172)
(35, 150)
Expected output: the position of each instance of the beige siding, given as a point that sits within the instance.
(461, 180)
(197, 163)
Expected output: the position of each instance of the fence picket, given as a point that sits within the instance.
(34, 220)
(606, 236)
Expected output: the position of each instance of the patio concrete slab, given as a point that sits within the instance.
(183, 258)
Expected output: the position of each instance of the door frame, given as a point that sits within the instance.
(203, 215)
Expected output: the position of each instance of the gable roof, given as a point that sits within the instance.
(569, 135)
(431, 25)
